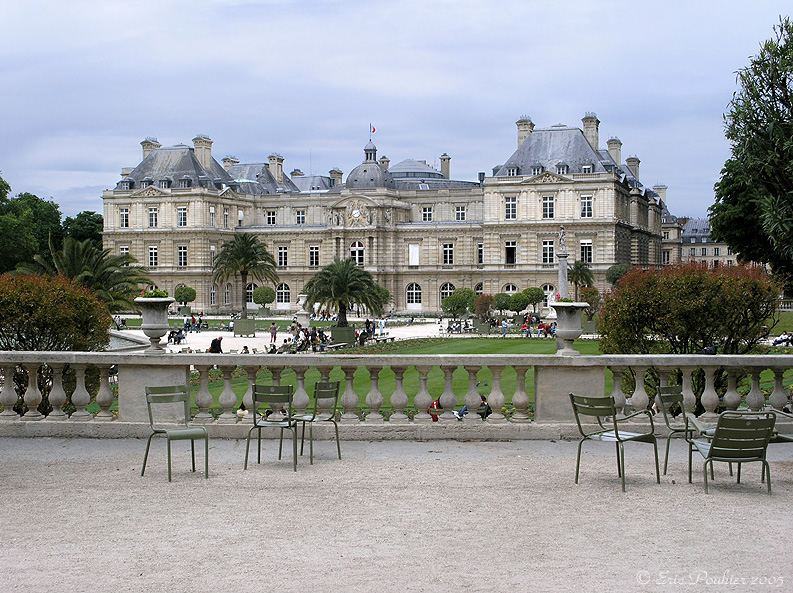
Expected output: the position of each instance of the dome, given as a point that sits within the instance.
(416, 169)
(370, 174)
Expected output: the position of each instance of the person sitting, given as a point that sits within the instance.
(245, 350)
(436, 405)
(785, 338)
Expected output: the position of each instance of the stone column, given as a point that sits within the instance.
(227, 399)
(32, 395)
(203, 399)
(8, 397)
(496, 398)
(778, 399)
(104, 397)
(448, 399)
(755, 398)
(520, 399)
(423, 399)
(374, 399)
(399, 399)
(57, 394)
(472, 398)
(732, 399)
(349, 400)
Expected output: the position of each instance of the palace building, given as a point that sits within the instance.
(419, 232)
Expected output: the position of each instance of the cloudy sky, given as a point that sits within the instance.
(82, 82)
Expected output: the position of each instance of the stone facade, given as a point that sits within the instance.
(420, 233)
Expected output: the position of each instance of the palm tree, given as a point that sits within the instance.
(113, 278)
(580, 275)
(342, 285)
(248, 256)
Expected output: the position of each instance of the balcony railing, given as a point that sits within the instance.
(537, 395)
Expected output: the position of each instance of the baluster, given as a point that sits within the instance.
(8, 397)
(732, 399)
(709, 398)
(520, 399)
(349, 401)
(104, 397)
(640, 399)
(57, 394)
(778, 399)
(473, 401)
(324, 374)
(203, 399)
(32, 396)
(689, 397)
(755, 398)
(663, 381)
(374, 399)
(496, 399)
(301, 400)
(616, 390)
(227, 399)
(80, 396)
(399, 399)
(423, 399)
(448, 400)
(247, 399)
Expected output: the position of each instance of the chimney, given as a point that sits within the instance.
(591, 124)
(385, 162)
(230, 161)
(335, 176)
(203, 150)
(148, 145)
(296, 173)
(615, 150)
(661, 191)
(445, 162)
(277, 166)
(633, 165)
(525, 128)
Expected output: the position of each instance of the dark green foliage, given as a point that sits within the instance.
(518, 302)
(615, 273)
(535, 295)
(459, 302)
(32, 222)
(244, 255)
(263, 295)
(591, 295)
(184, 294)
(580, 275)
(341, 285)
(86, 225)
(502, 301)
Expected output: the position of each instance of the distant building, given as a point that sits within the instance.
(697, 244)
(419, 232)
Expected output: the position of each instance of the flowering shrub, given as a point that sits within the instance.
(154, 293)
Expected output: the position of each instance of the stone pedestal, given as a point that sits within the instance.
(132, 381)
(552, 386)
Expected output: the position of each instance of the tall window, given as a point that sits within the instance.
(123, 249)
(249, 292)
(717, 251)
(313, 256)
(225, 218)
(212, 254)
(510, 208)
(213, 295)
(448, 254)
(547, 251)
(510, 252)
(547, 290)
(282, 294)
(227, 294)
(692, 251)
(240, 216)
(152, 256)
(536, 169)
(356, 252)
(446, 290)
(586, 251)
(479, 288)
(282, 256)
(269, 217)
(480, 253)
(181, 216)
(181, 256)
(586, 206)
(547, 206)
(153, 216)
(123, 218)
(300, 217)
(413, 254)
(211, 216)
(426, 214)
(413, 294)
(666, 257)
(460, 213)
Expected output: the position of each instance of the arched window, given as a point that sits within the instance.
(249, 292)
(356, 252)
(549, 290)
(510, 288)
(413, 294)
(446, 290)
(479, 288)
(227, 294)
(283, 294)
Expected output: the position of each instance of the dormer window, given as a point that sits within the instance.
(561, 169)
(165, 183)
(184, 182)
(126, 185)
(512, 171)
(536, 169)
(146, 182)
(586, 168)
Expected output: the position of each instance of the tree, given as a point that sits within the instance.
(85, 225)
(756, 185)
(502, 301)
(684, 308)
(483, 306)
(518, 302)
(535, 295)
(591, 295)
(32, 222)
(184, 294)
(580, 275)
(246, 255)
(50, 313)
(459, 302)
(615, 273)
(341, 285)
(263, 295)
(113, 278)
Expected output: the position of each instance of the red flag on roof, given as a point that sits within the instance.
(372, 129)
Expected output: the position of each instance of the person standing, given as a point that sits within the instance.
(273, 333)
(382, 325)
(504, 325)
(214, 346)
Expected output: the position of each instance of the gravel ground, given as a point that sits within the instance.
(397, 516)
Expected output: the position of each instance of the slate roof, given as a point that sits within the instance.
(697, 228)
(175, 163)
(257, 179)
(307, 183)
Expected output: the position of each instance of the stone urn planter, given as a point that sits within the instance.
(568, 326)
(155, 320)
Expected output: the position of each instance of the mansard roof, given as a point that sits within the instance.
(257, 179)
(308, 183)
(176, 163)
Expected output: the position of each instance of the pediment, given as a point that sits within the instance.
(355, 200)
(228, 193)
(150, 192)
(547, 177)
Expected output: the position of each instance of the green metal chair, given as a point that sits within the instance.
(671, 397)
(602, 409)
(326, 400)
(739, 437)
(279, 400)
(174, 394)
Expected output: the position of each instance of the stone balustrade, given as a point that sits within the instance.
(553, 378)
